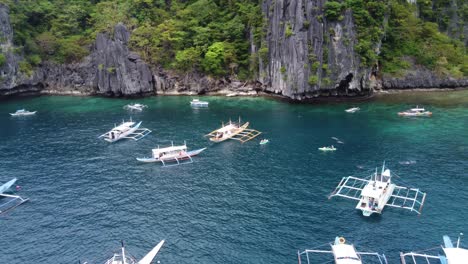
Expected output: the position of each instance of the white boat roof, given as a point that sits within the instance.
(456, 255)
(345, 254)
(170, 149)
(228, 127)
(370, 191)
(124, 126)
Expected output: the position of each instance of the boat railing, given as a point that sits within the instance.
(12, 201)
(307, 254)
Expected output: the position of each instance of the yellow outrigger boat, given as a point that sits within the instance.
(233, 130)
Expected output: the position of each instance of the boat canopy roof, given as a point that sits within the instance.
(373, 191)
(456, 255)
(124, 126)
(417, 109)
(345, 254)
(169, 149)
(228, 127)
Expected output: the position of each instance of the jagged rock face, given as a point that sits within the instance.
(301, 44)
(419, 77)
(119, 71)
(9, 70)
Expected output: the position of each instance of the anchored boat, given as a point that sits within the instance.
(129, 130)
(342, 253)
(23, 112)
(172, 154)
(415, 112)
(136, 107)
(122, 257)
(264, 141)
(331, 148)
(452, 254)
(379, 191)
(232, 130)
(198, 103)
(9, 201)
(352, 110)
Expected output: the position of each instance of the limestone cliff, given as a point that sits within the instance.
(309, 56)
(302, 56)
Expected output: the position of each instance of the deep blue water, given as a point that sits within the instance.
(237, 203)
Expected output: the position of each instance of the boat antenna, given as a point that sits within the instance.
(239, 121)
(172, 142)
(123, 253)
(458, 241)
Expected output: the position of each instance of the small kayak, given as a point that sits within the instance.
(264, 141)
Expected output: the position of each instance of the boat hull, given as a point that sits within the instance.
(124, 134)
(415, 114)
(23, 114)
(174, 159)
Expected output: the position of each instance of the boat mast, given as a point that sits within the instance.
(458, 241)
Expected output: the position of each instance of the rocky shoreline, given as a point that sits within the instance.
(113, 70)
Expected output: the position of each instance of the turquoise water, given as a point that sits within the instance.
(237, 203)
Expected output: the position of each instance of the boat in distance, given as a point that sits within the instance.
(23, 112)
(352, 110)
(136, 107)
(129, 130)
(415, 112)
(233, 130)
(198, 103)
(122, 257)
(379, 191)
(451, 254)
(331, 148)
(172, 154)
(342, 254)
(264, 141)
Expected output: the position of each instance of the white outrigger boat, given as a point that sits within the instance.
(198, 103)
(172, 154)
(9, 201)
(23, 112)
(453, 254)
(232, 130)
(136, 107)
(122, 257)
(415, 112)
(331, 148)
(379, 191)
(352, 110)
(130, 130)
(342, 253)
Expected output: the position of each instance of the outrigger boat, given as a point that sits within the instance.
(172, 154)
(23, 112)
(452, 255)
(9, 201)
(342, 253)
(130, 130)
(198, 103)
(137, 107)
(379, 191)
(232, 130)
(352, 110)
(123, 257)
(415, 112)
(331, 148)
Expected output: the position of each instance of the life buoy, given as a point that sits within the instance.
(342, 240)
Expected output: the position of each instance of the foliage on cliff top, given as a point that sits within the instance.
(205, 35)
(212, 36)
